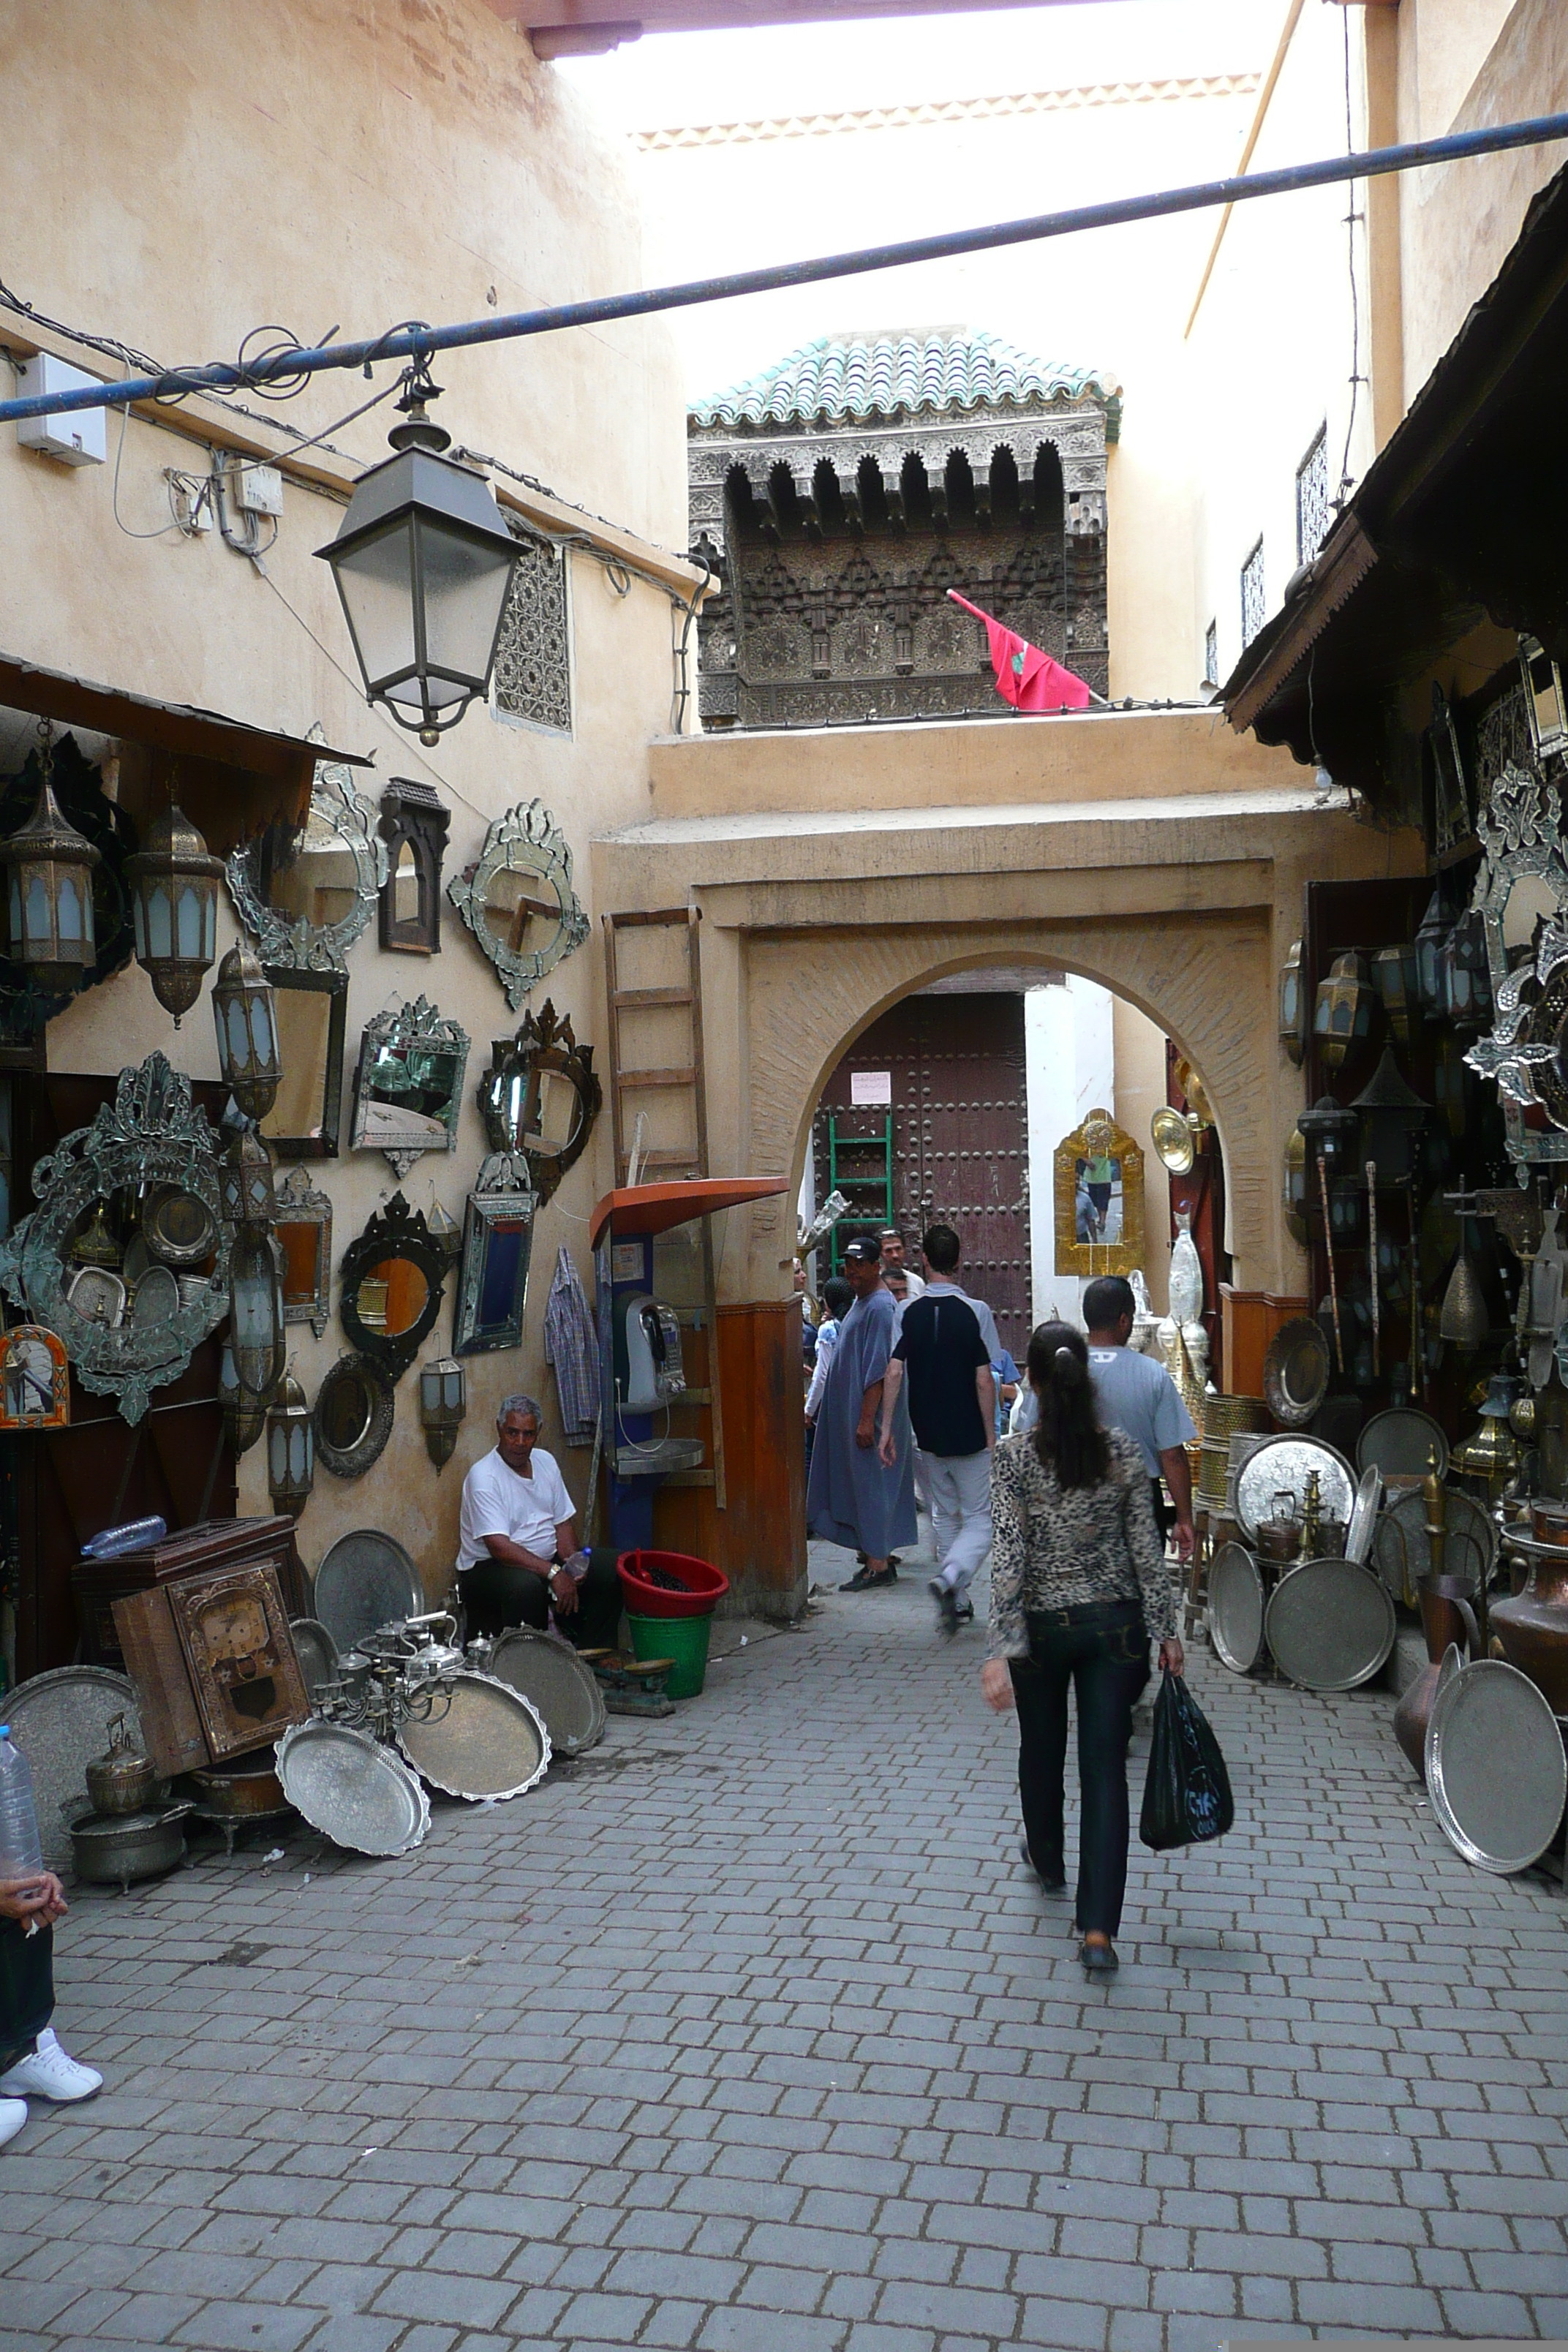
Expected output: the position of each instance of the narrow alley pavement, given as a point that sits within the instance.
(749, 2034)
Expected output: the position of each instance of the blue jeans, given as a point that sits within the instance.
(1102, 1650)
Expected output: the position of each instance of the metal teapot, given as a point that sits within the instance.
(124, 1781)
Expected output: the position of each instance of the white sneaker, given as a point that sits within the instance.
(49, 2073)
(13, 2115)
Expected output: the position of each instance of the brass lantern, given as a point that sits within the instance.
(50, 873)
(1396, 975)
(246, 1195)
(244, 1415)
(1344, 1014)
(246, 1021)
(1295, 1188)
(173, 903)
(255, 1311)
(1431, 932)
(443, 1404)
(290, 1448)
(1292, 1006)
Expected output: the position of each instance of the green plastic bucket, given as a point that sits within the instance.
(684, 1639)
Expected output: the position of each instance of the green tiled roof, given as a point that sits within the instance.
(853, 379)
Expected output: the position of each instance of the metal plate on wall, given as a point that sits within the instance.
(360, 1795)
(365, 1581)
(487, 1741)
(1329, 1626)
(1236, 1607)
(1286, 1462)
(1399, 1442)
(60, 1721)
(1401, 1543)
(1296, 1371)
(1496, 1771)
(549, 1672)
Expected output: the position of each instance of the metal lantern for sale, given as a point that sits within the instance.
(1430, 934)
(1295, 1187)
(173, 905)
(1545, 704)
(290, 1448)
(49, 868)
(1395, 976)
(423, 564)
(247, 1022)
(1292, 1006)
(443, 1405)
(1393, 1117)
(256, 1332)
(245, 1193)
(244, 1416)
(1465, 974)
(1343, 1014)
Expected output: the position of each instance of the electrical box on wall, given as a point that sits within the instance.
(258, 489)
(77, 437)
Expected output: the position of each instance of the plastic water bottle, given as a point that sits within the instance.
(21, 1855)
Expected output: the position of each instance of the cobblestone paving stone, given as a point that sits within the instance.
(749, 2031)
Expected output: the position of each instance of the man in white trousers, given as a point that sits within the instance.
(943, 1354)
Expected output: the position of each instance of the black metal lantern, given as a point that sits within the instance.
(1431, 932)
(1465, 974)
(1396, 975)
(247, 1022)
(1392, 1116)
(1292, 1006)
(422, 562)
(443, 1404)
(290, 1448)
(1328, 1128)
(1294, 1190)
(174, 902)
(49, 868)
(244, 1415)
(245, 1193)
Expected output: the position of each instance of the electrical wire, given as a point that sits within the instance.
(1350, 219)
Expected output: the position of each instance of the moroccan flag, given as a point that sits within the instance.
(1026, 676)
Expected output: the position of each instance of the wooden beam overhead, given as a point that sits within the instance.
(562, 29)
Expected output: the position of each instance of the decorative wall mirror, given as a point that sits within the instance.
(498, 1242)
(304, 1229)
(126, 1256)
(413, 825)
(1099, 1199)
(393, 1278)
(307, 894)
(540, 1097)
(409, 1086)
(518, 898)
(311, 1012)
(1521, 896)
(353, 1416)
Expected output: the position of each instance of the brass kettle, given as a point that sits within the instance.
(124, 1781)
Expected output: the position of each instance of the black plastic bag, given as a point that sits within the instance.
(1186, 1798)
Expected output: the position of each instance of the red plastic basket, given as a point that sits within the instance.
(704, 1586)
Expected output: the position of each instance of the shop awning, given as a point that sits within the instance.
(643, 1209)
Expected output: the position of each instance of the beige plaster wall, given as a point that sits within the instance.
(190, 174)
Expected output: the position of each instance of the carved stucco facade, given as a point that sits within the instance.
(836, 545)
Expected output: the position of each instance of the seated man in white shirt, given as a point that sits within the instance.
(518, 1528)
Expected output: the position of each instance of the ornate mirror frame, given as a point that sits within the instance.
(299, 1205)
(289, 942)
(411, 1029)
(285, 979)
(509, 1095)
(353, 1461)
(502, 1203)
(396, 1231)
(415, 816)
(152, 1135)
(1098, 1137)
(526, 840)
(1520, 837)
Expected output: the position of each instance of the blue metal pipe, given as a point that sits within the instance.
(420, 342)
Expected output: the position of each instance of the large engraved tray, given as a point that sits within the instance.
(60, 1721)
(549, 1672)
(1286, 1462)
(360, 1795)
(1329, 1626)
(1495, 1767)
(480, 1739)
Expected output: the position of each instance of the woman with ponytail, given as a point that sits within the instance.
(1079, 1586)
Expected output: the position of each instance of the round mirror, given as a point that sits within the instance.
(353, 1416)
(392, 1297)
(346, 1409)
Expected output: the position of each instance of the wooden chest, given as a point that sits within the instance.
(213, 1666)
(214, 1544)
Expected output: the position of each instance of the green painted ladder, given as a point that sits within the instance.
(855, 1187)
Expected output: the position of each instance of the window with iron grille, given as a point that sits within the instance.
(1313, 513)
(533, 652)
(1252, 595)
(1210, 653)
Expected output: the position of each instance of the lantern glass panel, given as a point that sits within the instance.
(72, 926)
(429, 1390)
(160, 928)
(452, 1390)
(377, 583)
(465, 584)
(39, 927)
(260, 1029)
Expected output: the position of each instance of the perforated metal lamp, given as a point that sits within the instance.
(443, 1406)
(246, 1021)
(290, 1448)
(174, 906)
(423, 564)
(48, 869)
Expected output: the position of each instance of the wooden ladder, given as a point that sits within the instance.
(669, 1161)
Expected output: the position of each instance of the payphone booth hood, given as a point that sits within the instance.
(638, 1210)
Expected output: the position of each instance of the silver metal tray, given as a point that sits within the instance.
(1286, 1462)
(317, 1653)
(1496, 1771)
(1296, 1371)
(1398, 1443)
(61, 1723)
(1363, 1516)
(1236, 1607)
(360, 1795)
(1329, 1626)
(1401, 1540)
(548, 1671)
(486, 1740)
(366, 1581)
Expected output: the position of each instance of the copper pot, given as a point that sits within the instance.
(1446, 1620)
(1549, 1521)
(251, 1787)
(1532, 1626)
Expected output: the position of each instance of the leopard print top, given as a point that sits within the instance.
(1052, 1549)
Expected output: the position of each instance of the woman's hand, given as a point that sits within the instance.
(1173, 1657)
(996, 1685)
(36, 1896)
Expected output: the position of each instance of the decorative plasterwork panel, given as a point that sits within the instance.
(534, 651)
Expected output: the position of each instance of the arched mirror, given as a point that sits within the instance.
(413, 824)
(307, 892)
(518, 898)
(353, 1416)
(539, 1098)
(393, 1280)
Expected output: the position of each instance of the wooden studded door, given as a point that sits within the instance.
(960, 1139)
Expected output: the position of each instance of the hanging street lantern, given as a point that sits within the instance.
(49, 868)
(244, 1416)
(173, 905)
(1343, 1014)
(423, 564)
(443, 1403)
(290, 1448)
(1292, 1006)
(247, 1022)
